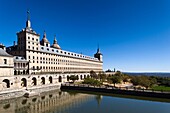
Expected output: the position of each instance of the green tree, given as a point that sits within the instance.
(73, 78)
(93, 74)
(118, 73)
(125, 78)
(92, 81)
(101, 76)
(114, 79)
(135, 80)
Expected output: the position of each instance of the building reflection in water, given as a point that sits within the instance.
(52, 102)
(98, 99)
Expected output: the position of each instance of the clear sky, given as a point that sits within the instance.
(134, 35)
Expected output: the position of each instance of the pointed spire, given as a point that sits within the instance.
(44, 35)
(55, 40)
(28, 23)
(98, 49)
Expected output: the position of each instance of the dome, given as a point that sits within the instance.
(55, 44)
(44, 40)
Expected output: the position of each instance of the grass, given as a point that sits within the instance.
(161, 88)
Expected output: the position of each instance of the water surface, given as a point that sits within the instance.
(71, 102)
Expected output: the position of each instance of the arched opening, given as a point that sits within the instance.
(42, 80)
(50, 80)
(6, 106)
(34, 81)
(81, 77)
(15, 72)
(77, 77)
(88, 76)
(60, 79)
(84, 76)
(24, 101)
(68, 78)
(7, 83)
(23, 82)
(24, 72)
(19, 72)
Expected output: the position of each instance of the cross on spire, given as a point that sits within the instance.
(28, 15)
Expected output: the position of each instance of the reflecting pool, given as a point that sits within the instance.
(71, 102)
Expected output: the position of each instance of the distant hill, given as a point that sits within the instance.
(149, 74)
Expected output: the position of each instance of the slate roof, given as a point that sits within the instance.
(4, 53)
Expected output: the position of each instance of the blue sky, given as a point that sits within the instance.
(134, 35)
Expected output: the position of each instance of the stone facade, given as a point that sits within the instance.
(39, 65)
(6, 63)
(34, 82)
(46, 58)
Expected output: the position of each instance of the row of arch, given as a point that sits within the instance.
(34, 81)
(43, 80)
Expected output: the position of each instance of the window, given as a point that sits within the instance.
(5, 61)
(32, 38)
(36, 39)
(28, 37)
(42, 48)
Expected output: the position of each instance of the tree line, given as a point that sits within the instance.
(119, 77)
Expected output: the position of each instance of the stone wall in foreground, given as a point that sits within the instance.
(15, 86)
